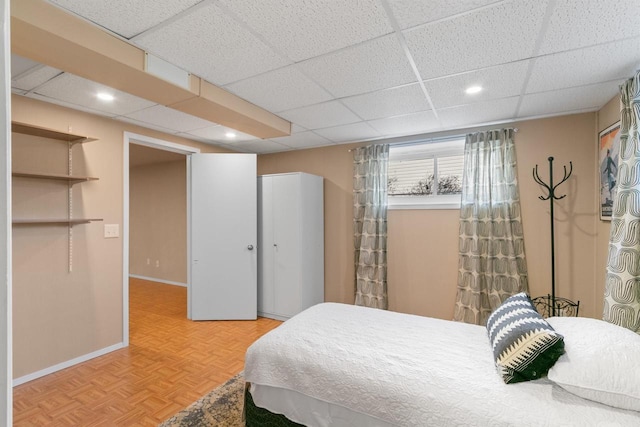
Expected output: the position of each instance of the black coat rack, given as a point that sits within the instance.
(551, 304)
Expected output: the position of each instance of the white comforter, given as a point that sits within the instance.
(408, 371)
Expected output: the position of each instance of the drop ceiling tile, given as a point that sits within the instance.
(35, 77)
(410, 13)
(262, 146)
(279, 90)
(313, 27)
(82, 92)
(590, 97)
(409, 124)
(324, 115)
(160, 115)
(218, 133)
(360, 131)
(493, 36)
(210, 44)
(367, 67)
(125, 17)
(297, 128)
(580, 23)
(497, 82)
(479, 113)
(18, 91)
(303, 140)
(584, 66)
(20, 64)
(388, 102)
(71, 105)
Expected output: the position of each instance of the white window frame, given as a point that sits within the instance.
(440, 201)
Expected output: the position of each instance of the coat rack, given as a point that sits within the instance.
(550, 304)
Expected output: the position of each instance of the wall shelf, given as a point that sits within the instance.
(60, 177)
(28, 129)
(69, 179)
(53, 221)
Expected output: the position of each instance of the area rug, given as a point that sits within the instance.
(221, 407)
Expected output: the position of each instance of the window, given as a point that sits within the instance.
(426, 175)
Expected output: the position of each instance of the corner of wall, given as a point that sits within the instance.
(6, 328)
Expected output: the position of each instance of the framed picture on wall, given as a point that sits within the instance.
(609, 149)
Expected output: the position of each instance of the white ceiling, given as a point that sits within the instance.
(354, 70)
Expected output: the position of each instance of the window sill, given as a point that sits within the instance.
(423, 202)
(423, 206)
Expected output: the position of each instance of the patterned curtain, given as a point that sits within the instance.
(491, 262)
(622, 287)
(370, 224)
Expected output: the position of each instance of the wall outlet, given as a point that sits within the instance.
(148, 261)
(111, 231)
(157, 263)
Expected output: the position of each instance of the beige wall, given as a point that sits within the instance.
(158, 221)
(60, 315)
(423, 261)
(57, 315)
(422, 244)
(566, 138)
(335, 165)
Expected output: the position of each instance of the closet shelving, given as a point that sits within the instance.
(70, 179)
(53, 221)
(71, 139)
(59, 177)
(28, 129)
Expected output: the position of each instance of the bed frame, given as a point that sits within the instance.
(260, 417)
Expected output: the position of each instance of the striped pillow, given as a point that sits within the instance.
(524, 345)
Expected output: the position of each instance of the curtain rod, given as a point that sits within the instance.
(404, 141)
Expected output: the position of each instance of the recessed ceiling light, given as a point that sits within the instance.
(103, 96)
(230, 134)
(473, 89)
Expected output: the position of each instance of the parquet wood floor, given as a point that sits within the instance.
(170, 363)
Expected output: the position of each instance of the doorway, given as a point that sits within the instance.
(148, 155)
(157, 215)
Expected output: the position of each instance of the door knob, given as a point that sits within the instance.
(250, 247)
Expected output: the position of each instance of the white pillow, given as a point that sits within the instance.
(601, 361)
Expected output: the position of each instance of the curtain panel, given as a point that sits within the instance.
(370, 166)
(622, 285)
(491, 263)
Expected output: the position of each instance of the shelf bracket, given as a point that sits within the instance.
(70, 207)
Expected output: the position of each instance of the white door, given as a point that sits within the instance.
(223, 237)
(266, 252)
(287, 232)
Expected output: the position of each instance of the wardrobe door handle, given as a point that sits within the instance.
(250, 247)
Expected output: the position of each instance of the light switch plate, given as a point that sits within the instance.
(111, 231)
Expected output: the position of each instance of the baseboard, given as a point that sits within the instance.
(153, 279)
(273, 316)
(67, 364)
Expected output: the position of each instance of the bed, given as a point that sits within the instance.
(343, 365)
